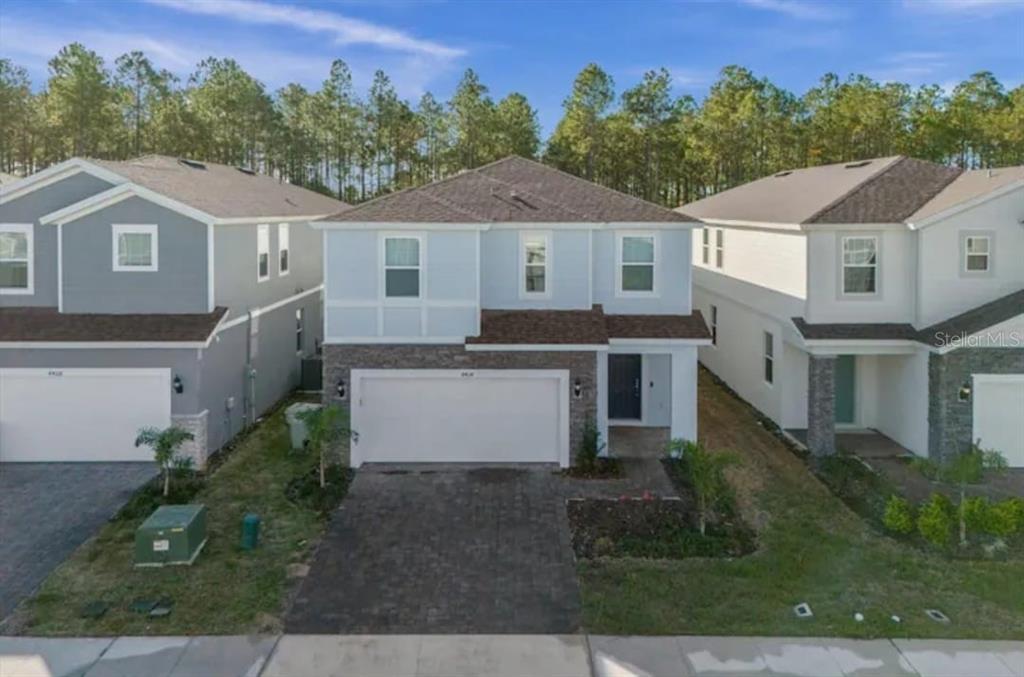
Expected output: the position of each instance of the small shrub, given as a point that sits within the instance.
(307, 492)
(899, 515)
(705, 471)
(590, 447)
(936, 519)
(977, 513)
(1006, 518)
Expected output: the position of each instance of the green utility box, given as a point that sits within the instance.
(174, 534)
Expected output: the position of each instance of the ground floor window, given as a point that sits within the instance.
(300, 322)
(769, 358)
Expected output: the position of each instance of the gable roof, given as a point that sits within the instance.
(512, 190)
(222, 191)
(968, 186)
(880, 190)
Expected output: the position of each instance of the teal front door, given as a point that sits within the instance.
(846, 388)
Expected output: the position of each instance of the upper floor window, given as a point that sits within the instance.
(15, 258)
(536, 257)
(705, 235)
(283, 262)
(714, 325)
(719, 248)
(977, 253)
(300, 329)
(860, 265)
(637, 258)
(402, 267)
(769, 358)
(135, 247)
(262, 252)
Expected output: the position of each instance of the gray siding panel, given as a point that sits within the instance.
(91, 285)
(28, 209)
(236, 285)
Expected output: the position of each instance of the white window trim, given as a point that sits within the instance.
(965, 246)
(877, 266)
(768, 358)
(705, 246)
(29, 231)
(535, 234)
(619, 291)
(719, 248)
(262, 235)
(384, 237)
(118, 229)
(284, 235)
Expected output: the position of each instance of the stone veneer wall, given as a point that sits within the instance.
(950, 421)
(821, 405)
(197, 448)
(339, 360)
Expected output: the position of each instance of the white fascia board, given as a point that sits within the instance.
(964, 206)
(117, 194)
(394, 340)
(509, 225)
(741, 223)
(250, 220)
(53, 174)
(99, 345)
(537, 347)
(834, 227)
(640, 342)
(862, 347)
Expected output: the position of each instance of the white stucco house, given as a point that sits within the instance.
(882, 295)
(487, 317)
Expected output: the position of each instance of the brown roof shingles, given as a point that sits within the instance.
(582, 327)
(511, 190)
(47, 325)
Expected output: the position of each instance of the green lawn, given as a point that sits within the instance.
(813, 549)
(227, 591)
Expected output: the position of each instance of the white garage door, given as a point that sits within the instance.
(483, 416)
(80, 414)
(999, 415)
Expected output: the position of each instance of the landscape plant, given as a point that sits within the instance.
(899, 515)
(935, 520)
(1006, 518)
(326, 427)
(165, 444)
(590, 447)
(961, 471)
(706, 473)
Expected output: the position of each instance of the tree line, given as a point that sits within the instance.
(646, 140)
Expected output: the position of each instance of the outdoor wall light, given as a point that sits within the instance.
(964, 394)
(577, 389)
(178, 386)
(342, 389)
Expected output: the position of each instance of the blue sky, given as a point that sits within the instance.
(536, 47)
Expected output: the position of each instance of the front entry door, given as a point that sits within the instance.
(846, 389)
(624, 386)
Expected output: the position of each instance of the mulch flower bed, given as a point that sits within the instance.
(649, 527)
(602, 469)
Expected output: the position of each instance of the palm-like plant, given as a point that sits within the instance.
(706, 472)
(325, 428)
(165, 444)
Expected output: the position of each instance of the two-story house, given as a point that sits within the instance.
(883, 295)
(489, 316)
(146, 293)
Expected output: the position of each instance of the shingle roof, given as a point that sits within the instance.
(967, 323)
(881, 190)
(46, 324)
(582, 327)
(969, 185)
(510, 190)
(221, 190)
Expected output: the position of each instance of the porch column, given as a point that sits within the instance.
(684, 394)
(602, 399)
(821, 405)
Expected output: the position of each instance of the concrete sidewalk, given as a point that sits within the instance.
(502, 656)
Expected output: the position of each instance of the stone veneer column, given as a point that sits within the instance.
(821, 405)
(196, 448)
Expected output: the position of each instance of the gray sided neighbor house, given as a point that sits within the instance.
(490, 316)
(151, 292)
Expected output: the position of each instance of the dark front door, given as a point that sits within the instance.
(624, 386)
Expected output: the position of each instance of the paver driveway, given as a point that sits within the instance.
(49, 509)
(444, 550)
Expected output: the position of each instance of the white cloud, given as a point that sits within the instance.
(346, 30)
(911, 66)
(798, 9)
(985, 7)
